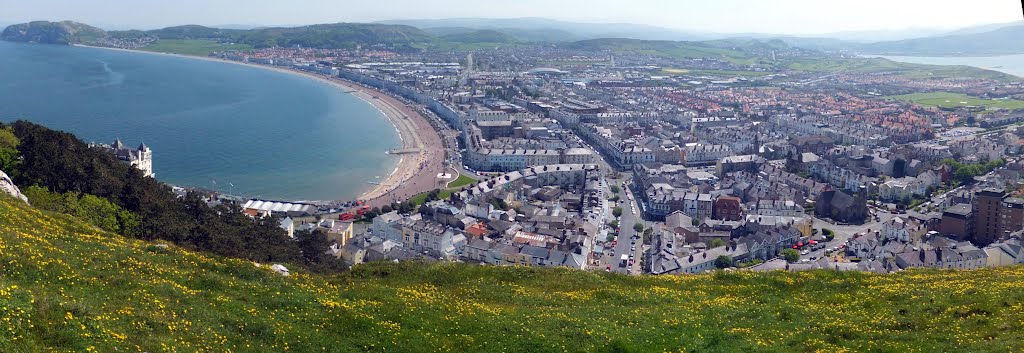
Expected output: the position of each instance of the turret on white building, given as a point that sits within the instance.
(140, 158)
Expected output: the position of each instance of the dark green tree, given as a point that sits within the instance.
(723, 261)
(716, 243)
(790, 255)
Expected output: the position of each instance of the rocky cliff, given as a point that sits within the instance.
(7, 186)
(64, 32)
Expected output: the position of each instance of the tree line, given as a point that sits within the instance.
(964, 173)
(64, 174)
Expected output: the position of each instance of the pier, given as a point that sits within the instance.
(404, 151)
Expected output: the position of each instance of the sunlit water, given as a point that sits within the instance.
(210, 124)
(1011, 64)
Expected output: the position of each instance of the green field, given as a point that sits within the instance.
(454, 186)
(721, 50)
(952, 100)
(192, 47)
(421, 198)
(461, 181)
(68, 287)
(723, 73)
(914, 71)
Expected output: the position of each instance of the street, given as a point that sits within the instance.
(845, 232)
(626, 243)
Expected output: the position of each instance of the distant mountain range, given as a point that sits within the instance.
(990, 39)
(560, 31)
(1004, 40)
(337, 35)
(993, 39)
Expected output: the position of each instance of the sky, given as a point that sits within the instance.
(799, 17)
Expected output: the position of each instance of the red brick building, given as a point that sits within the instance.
(727, 208)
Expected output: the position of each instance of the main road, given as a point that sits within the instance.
(630, 242)
(626, 243)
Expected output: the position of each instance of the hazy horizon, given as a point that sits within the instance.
(781, 17)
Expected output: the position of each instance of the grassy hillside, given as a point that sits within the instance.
(63, 32)
(65, 286)
(722, 50)
(198, 47)
(914, 71)
(334, 35)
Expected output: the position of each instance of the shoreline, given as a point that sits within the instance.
(398, 114)
(958, 60)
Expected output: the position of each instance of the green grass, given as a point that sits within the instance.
(196, 47)
(952, 100)
(66, 286)
(461, 181)
(908, 70)
(453, 187)
(720, 50)
(420, 198)
(729, 73)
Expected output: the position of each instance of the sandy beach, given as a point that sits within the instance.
(423, 155)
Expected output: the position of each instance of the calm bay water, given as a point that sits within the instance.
(1011, 64)
(271, 134)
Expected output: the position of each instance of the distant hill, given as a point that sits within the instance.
(882, 35)
(335, 35)
(188, 32)
(518, 34)
(570, 30)
(819, 43)
(64, 32)
(912, 41)
(984, 28)
(735, 51)
(1005, 40)
(479, 36)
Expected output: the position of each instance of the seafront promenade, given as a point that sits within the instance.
(416, 172)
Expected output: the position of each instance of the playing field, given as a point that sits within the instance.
(952, 100)
(679, 71)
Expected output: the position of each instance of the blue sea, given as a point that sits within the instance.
(269, 134)
(1010, 64)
